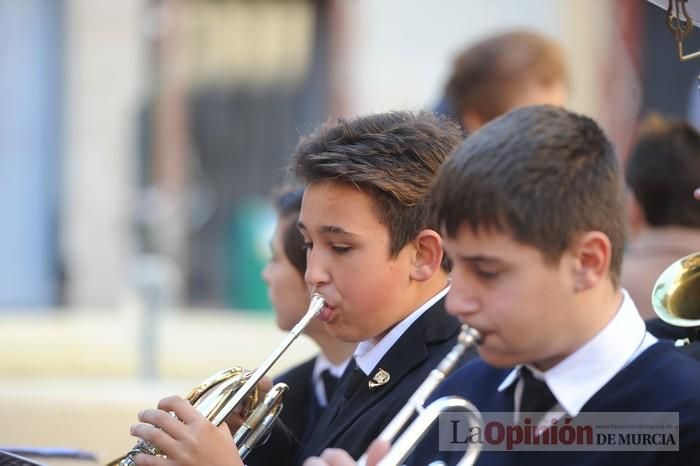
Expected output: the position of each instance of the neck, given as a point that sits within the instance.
(419, 295)
(595, 308)
(427, 290)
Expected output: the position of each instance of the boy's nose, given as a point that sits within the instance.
(460, 302)
(265, 274)
(315, 274)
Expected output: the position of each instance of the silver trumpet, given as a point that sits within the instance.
(426, 415)
(216, 397)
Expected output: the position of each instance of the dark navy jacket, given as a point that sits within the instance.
(661, 379)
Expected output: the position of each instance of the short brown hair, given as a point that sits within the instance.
(395, 156)
(488, 76)
(541, 174)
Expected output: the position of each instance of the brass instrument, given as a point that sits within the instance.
(427, 415)
(220, 394)
(676, 296)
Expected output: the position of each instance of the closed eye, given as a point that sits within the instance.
(487, 275)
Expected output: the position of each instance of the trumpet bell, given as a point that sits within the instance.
(210, 396)
(223, 392)
(676, 294)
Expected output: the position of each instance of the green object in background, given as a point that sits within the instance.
(247, 246)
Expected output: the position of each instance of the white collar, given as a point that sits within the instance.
(583, 373)
(321, 364)
(368, 354)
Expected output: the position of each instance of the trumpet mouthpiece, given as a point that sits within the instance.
(316, 305)
(469, 336)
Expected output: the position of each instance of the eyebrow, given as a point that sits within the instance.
(479, 259)
(330, 229)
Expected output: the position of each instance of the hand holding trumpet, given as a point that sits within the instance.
(186, 437)
(186, 440)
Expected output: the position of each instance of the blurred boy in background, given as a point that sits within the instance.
(503, 72)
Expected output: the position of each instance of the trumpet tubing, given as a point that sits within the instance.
(405, 444)
(217, 396)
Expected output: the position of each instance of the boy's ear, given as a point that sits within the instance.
(592, 253)
(428, 255)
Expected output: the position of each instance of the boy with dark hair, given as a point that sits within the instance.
(531, 209)
(377, 260)
(532, 215)
(502, 72)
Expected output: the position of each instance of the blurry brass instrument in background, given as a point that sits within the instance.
(220, 394)
(676, 296)
(427, 415)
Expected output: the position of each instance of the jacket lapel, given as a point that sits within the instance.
(409, 352)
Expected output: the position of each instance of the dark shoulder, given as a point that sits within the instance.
(665, 360)
(662, 378)
(692, 350)
(300, 372)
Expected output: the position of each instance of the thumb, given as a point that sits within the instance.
(377, 450)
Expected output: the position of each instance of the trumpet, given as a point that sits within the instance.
(676, 296)
(427, 415)
(217, 396)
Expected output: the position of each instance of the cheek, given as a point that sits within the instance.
(366, 289)
(529, 312)
(514, 311)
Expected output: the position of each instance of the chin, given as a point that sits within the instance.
(501, 361)
(343, 334)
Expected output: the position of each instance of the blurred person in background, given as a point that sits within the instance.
(664, 219)
(503, 72)
(311, 383)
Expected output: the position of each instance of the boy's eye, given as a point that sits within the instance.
(487, 274)
(341, 249)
